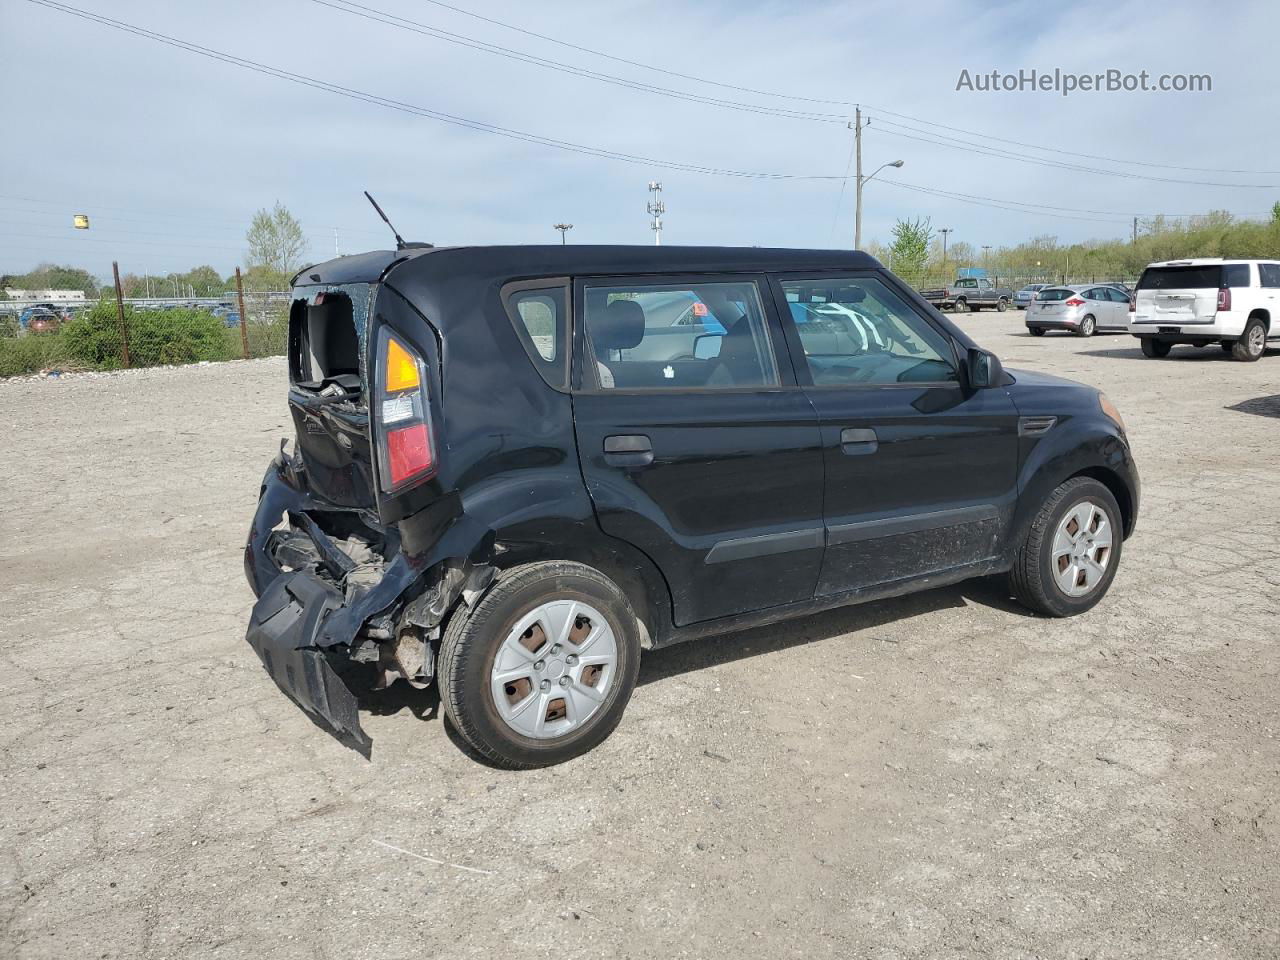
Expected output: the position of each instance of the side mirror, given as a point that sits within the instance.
(985, 369)
(706, 346)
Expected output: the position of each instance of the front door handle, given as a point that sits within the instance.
(858, 442)
(633, 450)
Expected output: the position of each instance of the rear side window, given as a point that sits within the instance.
(1270, 274)
(1201, 277)
(678, 336)
(1236, 275)
(539, 314)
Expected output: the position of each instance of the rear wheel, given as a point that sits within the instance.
(1154, 348)
(1226, 346)
(1087, 326)
(1036, 331)
(1252, 343)
(1070, 554)
(541, 669)
(961, 306)
(1002, 305)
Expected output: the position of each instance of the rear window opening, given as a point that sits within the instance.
(324, 343)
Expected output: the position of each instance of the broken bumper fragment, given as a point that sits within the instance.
(282, 632)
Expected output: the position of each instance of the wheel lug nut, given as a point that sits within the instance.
(571, 659)
(545, 685)
(564, 681)
(539, 665)
(555, 649)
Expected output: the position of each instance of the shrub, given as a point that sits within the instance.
(31, 354)
(156, 337)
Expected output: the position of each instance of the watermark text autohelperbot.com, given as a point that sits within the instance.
(1065, 83)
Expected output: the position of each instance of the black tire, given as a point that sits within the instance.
(961, 306)
(1226, 346)
(1036, 331)
(1252, 343)
(1088, 326)
(1154, 349)
(471, 642)
(1032, 581)
(1002, 305)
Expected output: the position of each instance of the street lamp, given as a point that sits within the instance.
(862, 181)
(563, 228)
(944, 231)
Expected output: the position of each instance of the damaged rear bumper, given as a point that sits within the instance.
(336, 590)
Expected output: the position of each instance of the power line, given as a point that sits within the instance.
(414, 26)
(401, 106)
(786, 96)
(896, 130)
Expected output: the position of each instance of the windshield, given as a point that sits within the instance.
(1206, 276)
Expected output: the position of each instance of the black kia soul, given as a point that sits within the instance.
(518, 467)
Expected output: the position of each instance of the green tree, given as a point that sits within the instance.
(909, 248)
(1275, 212)
(50, 276)
(276, 241)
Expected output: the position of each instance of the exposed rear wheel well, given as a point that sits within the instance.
(1264, 316)
(1118, 490)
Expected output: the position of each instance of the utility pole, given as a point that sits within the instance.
(857, 195)
(335, 243)
(986, 247)
(656, 209)
(1135, 231)
(563, 228)
(944, 231)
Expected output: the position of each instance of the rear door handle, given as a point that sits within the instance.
(633, 450)
(858, 442)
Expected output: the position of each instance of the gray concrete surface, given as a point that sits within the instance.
(939, 776)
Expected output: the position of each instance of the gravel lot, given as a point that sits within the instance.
(936, 776)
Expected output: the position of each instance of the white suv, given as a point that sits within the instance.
(1207, 301)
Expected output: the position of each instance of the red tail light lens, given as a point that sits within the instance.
(401, 415)
(1224, 298)
(1075, 302)
(408, 453)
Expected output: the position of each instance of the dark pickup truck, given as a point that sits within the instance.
(969, 293)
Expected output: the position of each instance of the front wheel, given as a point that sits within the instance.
(541, 669)
(1154, 348)
(1252, 343)
(1069, 556)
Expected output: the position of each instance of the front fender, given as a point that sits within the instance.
(1076, 446)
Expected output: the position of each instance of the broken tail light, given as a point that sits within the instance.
(402, 416)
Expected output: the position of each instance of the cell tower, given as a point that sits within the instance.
(656, 209)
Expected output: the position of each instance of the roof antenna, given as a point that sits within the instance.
(400, 244)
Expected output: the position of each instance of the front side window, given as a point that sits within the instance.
(678, 336)
(858, 331)
(966, 284)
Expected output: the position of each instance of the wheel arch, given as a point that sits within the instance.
(1263, 314)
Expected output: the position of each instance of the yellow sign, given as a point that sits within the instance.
(81, 220)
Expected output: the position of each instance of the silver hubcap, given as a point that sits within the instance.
(1082, 549)
(1256, 340)
(554, 669)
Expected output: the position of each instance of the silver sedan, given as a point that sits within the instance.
(1083, 309)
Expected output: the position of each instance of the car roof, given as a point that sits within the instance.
(1202, 261)
(549, 260)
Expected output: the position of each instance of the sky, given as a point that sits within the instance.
(170, 153)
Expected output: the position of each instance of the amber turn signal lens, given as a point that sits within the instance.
(1110, 410)
(402, 368)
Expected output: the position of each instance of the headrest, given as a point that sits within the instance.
(619, 327)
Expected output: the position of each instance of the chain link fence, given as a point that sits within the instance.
(100, 335)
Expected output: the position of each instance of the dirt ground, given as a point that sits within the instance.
(938, 776)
